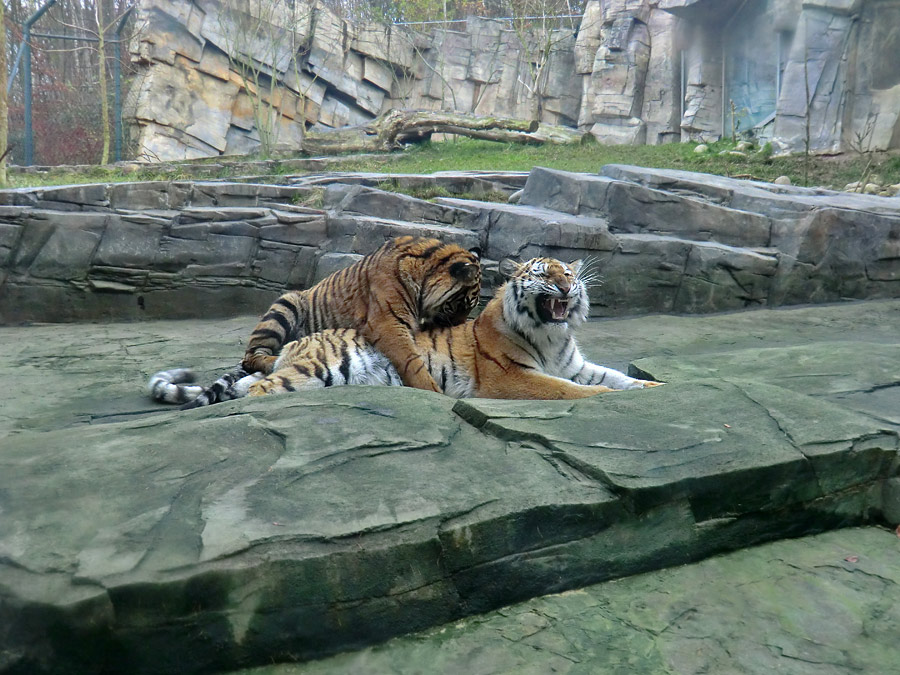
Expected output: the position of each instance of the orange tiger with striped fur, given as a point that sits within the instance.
(520, 347)
(408, 285)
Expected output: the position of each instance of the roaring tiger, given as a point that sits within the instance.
(408, 285)
(520, 347)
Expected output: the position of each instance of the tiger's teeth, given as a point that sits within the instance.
(558, 308)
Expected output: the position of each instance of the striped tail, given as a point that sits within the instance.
(174, 386)
(177, 386)
(230, 386)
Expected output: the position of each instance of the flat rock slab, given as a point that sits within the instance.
(138, 538)
(819, 604)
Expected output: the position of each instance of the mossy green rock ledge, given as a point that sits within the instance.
(135, 538)
(819, 604)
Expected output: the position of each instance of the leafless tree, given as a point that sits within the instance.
(68, 76)
(4, 103)
(265, 42)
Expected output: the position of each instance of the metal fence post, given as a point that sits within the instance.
(26, 80)
(117, 77)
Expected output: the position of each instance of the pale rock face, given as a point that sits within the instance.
(589, 37)
(633, 71)
(849, 108)
(620, 70)
(638, 9)
(661, 104)
(203, 113)
(620, 131)
(617, 81)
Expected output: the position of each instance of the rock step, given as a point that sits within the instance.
(632, 207)
(749, 195)
(638, 272)
(391, 510)
(368, 201)
(680, 620)
(472, 183)
(660, 241)
(364, 234)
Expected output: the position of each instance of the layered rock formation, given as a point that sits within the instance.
(206, 88)
(663, 241)
(219, 77)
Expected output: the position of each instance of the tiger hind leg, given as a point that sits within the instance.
(327, 359)
(285, 380)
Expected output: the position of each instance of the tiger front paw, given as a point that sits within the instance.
(646, 384)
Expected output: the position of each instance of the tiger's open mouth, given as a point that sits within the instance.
(552, 309)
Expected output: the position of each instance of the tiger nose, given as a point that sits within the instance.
(564, 287)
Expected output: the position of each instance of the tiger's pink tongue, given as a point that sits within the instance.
(558, 308)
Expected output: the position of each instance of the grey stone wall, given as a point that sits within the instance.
(137, 250)
(631, 71)
(662, 241)
(853, 74)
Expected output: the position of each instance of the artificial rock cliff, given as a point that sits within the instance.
(215, 80)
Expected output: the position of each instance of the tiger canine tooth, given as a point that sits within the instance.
(558, 307)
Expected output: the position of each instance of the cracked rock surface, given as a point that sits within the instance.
(137, 538)
(819, 604)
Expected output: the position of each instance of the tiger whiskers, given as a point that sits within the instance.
(589, 273)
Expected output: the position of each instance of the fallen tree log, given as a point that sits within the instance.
(395, 128)
(545, 133)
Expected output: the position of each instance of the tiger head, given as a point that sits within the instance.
(450, 289)
(545, 292)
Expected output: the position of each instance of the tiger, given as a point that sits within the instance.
(407, 285)
(521, 346)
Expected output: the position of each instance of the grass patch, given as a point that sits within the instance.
(473, 155)
(104, 174)
(314, 199)
(432, 192)
(428, 192)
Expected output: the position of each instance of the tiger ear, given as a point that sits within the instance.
(465, 272)
(508, 267)
(576, 266)
(476, 251)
